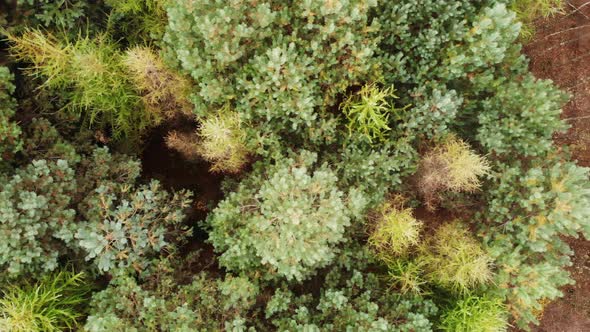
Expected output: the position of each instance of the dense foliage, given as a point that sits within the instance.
(385, 166)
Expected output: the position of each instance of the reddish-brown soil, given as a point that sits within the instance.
(560, 51)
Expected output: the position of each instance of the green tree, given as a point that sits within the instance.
(284, 220)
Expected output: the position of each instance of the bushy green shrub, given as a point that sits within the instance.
(351, 298)
(485, 44)
(10, 140)
(374, 170)
(124, 227)
(277, 63)
(415, 34)
(52, 207)
(36, 216)
(534, 205)
(433, 113)
(162, 305)
(60, 15)
(476, 314)
(286, 219)
(521, 118)
(51, 305)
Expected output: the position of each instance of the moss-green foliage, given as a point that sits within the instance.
(278, 63)
(10, 140)
(534, 205)
(476, 314)
(138, 21)
(53, 304)
(286, 220)
(90, 73)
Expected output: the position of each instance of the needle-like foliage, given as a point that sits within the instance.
(50, 305)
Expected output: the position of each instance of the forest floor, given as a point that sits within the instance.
(560, 51)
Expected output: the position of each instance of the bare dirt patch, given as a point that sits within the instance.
(560, 51)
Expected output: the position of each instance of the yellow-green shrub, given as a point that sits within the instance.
(454, 260)
(395, 231)
(450, 166)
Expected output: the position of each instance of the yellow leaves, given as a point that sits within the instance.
(562, 206)
(531, 182)
(510, 269)
(540, 220)
(558, 186)
(122, 255)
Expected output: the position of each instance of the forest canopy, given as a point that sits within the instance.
(266, 165)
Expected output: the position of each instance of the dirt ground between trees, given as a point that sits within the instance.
(560, 51)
